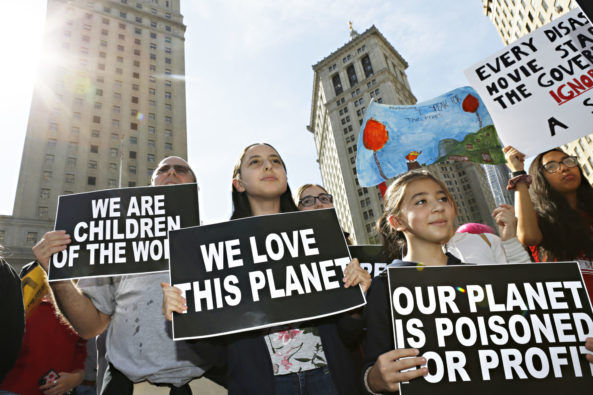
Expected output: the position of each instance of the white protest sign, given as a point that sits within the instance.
(538, 90)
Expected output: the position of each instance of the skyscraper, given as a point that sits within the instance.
(368, 67)
(109, 103)
(518, 18)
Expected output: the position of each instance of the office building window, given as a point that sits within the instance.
(94, 149)
(337, 84)
(91, 180)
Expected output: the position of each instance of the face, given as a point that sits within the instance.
(426, 212)
(564, 180)
(314, 191)
(172, 170)
(262, 173)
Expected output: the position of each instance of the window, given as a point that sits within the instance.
(96, 119)
(75, 130)
(153, 34)
(132, 154)
(98, 92)
(168, 28)
(115, 123)
(98, 105)
(112, 183)
(94, 149)
(103, 43)
(168, 83)
(150, 158)
(152, 56)
(131, 184)
(352, 75)
(137, 30)
(151, 144)
(137, 53)
(134, 99)
(136, 75)
(91, 180)
(69, 178)
(168, 60)
(132, 169)
(120, 59)
(122, 26)
(71, 163)
(167, 39)
(95, 133)
(32, 238)
(49, 160)
(136, 62)
(92, 164)
(133, 140)
(138, 19)
(337, 84)
(168, 107)
(113, 152)
(46, 176)
(151, 116)
(168, 146)
(151, 91)
(167, 95)
(116, 109)
(133, 126)
(168, 120)
(116, 95)
(153, 24)
(112, 166)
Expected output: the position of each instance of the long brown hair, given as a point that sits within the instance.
(566, 234)
(394, 241)
(241, 206)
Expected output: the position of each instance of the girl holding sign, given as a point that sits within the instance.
(419, 213)
(309, 359)
(555, 212)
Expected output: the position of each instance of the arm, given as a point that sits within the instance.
(73, 304)
(511, 250)
(382, 364)
(528, 231)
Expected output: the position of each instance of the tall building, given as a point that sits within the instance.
(368, 67)
(518, 18)
(108, 104)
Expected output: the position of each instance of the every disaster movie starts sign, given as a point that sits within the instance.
(538, 90)
(121, 231)
(482, 333)
(260, 272)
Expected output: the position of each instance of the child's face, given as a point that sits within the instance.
(426, 212)
(262, 173)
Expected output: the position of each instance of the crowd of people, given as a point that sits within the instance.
(347, 353)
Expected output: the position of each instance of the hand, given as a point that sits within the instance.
(386, 373)
(515, 159)
(63, 384)
(172, 301)
(589, 346)
(355, 275)
(50, 243)
(504, 216)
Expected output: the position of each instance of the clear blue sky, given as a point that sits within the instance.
(249, 75)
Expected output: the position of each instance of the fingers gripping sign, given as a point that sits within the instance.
(51, 243)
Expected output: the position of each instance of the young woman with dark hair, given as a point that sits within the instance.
(555, 212)
(554, 204)
(310, 358)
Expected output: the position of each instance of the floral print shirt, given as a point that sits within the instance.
(295, 350)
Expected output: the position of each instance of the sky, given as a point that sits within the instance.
(249, 76)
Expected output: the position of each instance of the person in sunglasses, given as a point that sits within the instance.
(139, 346)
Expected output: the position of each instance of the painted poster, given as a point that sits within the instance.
(453, 126)
(539, 89)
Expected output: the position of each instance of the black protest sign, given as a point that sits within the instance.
(587, 8)
(370, 256)
(260, 272)
(492, 329)
(121, 231)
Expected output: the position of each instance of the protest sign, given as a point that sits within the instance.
(453, 126)
(492, 329)
(587, 8)
(538, 89)
(370, 256)
(121, 231)
(260, 272)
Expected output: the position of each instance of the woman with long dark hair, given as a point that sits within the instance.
(555, 212)
(307, 358)
(554, 205)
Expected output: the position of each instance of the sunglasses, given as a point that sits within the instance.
(179, 169)
(553, 166)
(324, 198)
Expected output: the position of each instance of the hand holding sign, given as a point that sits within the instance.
(173, 301)
(394, 367)
(355, 275)
(50, 243)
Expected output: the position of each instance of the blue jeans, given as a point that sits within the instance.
(309, 382)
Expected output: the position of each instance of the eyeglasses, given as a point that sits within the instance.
(324, 198)
(179, 169)
(553, 166)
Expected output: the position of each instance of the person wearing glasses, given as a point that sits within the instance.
(139, 343)
(554, 205)
(313, 197)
